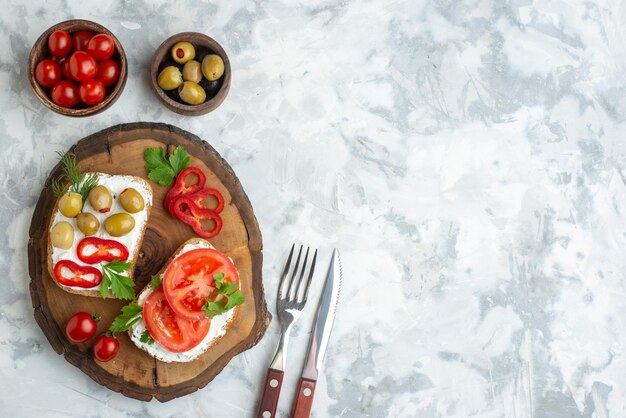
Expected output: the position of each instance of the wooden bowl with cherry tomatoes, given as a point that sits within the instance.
(77, 68)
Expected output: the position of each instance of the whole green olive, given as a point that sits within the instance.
(212, 67)
(100, 199)
(119, 224)
(170, 78)
(131, 200)
(192, 93)
(70, 204)
(183, 52)
(192, 71)
(62, 235)
(87, 223)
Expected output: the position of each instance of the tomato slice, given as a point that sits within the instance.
(93, 250)
(69, 273)
(188, 281)
(175, 333)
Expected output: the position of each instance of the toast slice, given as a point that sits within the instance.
(219, 324)
(116, 184)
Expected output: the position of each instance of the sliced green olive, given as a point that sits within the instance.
(131, 200)
(62, 235)
(100, 199)
(192, 93)
(212, 67)
(87, 223)
(170, 78)
(70, 204)
(183, 52)
(119, 224)
(192, 71)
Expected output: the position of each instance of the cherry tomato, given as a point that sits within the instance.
(65, 93)
(101, 47)
(188, 281)
(82, 66)
(91, 92)
(48, 73)
(105, 347)
(81, 327)
(65, 68)
(108, 72)
(80, 39)
(60, 43)
(175, 333)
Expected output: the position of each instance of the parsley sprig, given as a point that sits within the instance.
(228, 297)
(146, 338)
(72, 179)
(131, 313)
(162, 170)
(155, 282)
(120, 284)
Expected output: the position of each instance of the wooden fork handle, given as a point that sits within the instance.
(304, 398)
(271, 392)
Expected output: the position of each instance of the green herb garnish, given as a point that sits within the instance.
(121, 285)
(229, 296)
(72, 179)
(131, 313)
(146, 338)
(162, 170)
(155, 282)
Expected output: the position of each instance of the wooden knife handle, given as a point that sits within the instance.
(304, 398)
(271, 392)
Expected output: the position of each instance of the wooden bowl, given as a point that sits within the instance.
(40, 51)
(163, 53)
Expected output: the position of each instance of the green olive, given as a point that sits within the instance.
(170, 78)
(87, 223)
(70, 204)
(212, 67)
(100, 199)
(192, 71)
(183, 52)
(131, 200)
(192, 93)
(119, 224)
(62, 235)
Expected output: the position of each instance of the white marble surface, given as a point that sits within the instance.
(466, 157)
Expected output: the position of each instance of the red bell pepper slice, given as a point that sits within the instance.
(197, 218)
(199, 197)
(181, 187)
(93, 250)
(68, 273)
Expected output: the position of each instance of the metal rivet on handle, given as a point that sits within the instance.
(273, 383)
(306, 392)
(267, 414)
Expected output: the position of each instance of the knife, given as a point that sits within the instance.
(324, 319)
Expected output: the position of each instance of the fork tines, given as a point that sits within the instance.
(297, 289)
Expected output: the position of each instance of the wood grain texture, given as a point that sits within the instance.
(119, 150)
(40, 51)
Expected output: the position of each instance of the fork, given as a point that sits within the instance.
(291, 298)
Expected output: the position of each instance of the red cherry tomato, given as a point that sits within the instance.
(175, 333)
(65, 93)
(69, 273)
(81, 327)
(91, 92)
(65, 69)
(82, 66)
(108, 72)
(60, 43)
(105, 348)
(101, 47)
(48, 73)
(80, 39)
(188, 281)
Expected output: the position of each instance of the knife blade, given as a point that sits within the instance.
(318, 343)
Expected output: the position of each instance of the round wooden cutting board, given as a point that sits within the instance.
(134, 373)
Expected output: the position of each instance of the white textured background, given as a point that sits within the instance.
(468, 158)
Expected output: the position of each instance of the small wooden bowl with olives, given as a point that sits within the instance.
(190, 73)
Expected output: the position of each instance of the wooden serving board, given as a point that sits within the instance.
(134, 373)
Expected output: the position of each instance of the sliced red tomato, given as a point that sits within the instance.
(69, 273)
(188, 281)
(175, 333)
(93, 250)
